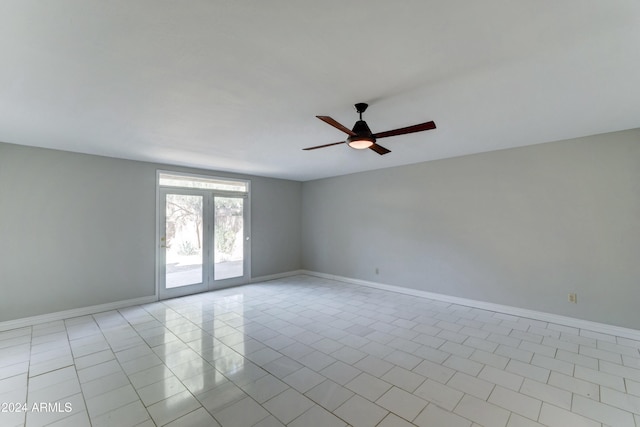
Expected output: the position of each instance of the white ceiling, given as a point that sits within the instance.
(236, 85)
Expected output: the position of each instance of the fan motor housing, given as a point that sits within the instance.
(363, 137)
(362, 129)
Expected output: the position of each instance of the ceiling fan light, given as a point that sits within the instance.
(360, 143)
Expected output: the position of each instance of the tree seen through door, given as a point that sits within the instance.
(184, 238)
(183, 233)
(228, 237)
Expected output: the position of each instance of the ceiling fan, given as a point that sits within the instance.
(361, 137)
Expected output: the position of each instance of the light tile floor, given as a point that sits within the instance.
(309, 352)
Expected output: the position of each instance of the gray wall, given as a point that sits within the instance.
(522, 227)
(79, 230)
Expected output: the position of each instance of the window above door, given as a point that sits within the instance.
(178, 180)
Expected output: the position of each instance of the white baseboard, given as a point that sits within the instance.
(75, 312)
(84, 311)
(277, 276)
(516, 311)
(604, 328)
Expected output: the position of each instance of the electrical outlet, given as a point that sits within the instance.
(377, 270)
(573, 297)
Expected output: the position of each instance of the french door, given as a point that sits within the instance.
(203, 240)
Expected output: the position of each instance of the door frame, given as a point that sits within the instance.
(209, 284)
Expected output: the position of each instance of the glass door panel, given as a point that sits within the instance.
(229, 237)
(183, 251)
(184, 240)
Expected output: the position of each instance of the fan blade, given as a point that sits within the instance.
(408, 129)
(328, 120)
(325, 145)
(379, 149)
